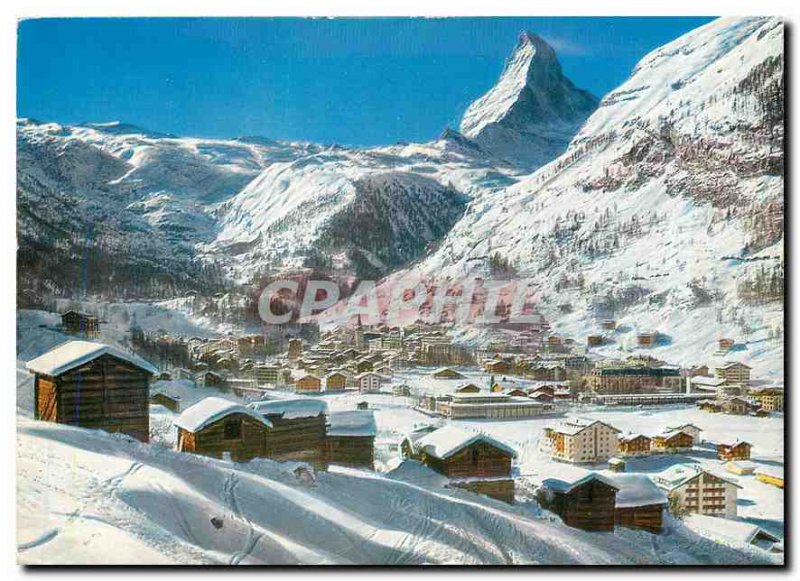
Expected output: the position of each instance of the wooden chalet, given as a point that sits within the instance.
(470, 460)
(75, 323)
(219, 427)
(350, 439)
(468, 388)
(211, 379)
(499, 366)
(595, 340)
(308, 383)
(740, 467)
(335, 381)
(582, 498)
(737, 406)
(639, 503)
(298, 429)
(169, 401)
(447, 373)
(95, 386)
(736, 450)
(672, 442)
(635, 445)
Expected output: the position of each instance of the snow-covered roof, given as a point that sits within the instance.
(573, 426)
(679, 474)
(564, 477)
(209, 410)
(631, 437)
(290, 409)
(451, 439)
(353, 423)
(76, 353)
(704, 381)
(725, 529)
(636, 490)
(742, 464)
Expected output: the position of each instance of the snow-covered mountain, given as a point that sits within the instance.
(532, 113)
(666, 210)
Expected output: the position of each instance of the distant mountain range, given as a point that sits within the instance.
(663, 202)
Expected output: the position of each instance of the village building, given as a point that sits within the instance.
(468, 388)
(369, 382)
(595, 340)
(740, 467)
(769, 399)
(363, 365)
(579, 440)
(75, 323)
(335, 381)
(616, 464)
(219, 427)
(498, 406)
(447, 373)
(211, 379)
(497, 366)
(634, 445)
(298, 429)
(737, 406)
(470, 460)
(672, 442)
(647, 340)
(267, 374)
(169, 401)
(307, 383)
(696, 490)
(690, 429)
(295, 350)
(350, 439)
(736, 450)
(710, 405)
(582, 498)
(401, 390)
(94, 386)
(734, 373)
(626, 379)
(770, 475)
(639, 503)
(726, 344)
(699, 370)
(704, 383)
(608, 324)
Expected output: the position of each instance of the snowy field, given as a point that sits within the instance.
(87, 497)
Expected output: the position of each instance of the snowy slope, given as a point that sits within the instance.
(89, 497)
(668, 200)
(532, 113)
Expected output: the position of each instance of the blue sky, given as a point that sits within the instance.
(347, 81)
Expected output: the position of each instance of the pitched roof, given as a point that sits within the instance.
(451, 439)
(290, 409)
(73, 354)
(726, 529)
(565, 478)
(574, 426)
(353, 423)
(636, 490)
(209, 410)
(679, 474)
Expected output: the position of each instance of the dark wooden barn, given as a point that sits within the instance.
(217, 427)
(583, 499)
(639, 502)
(298, 429)
(169, 401)
(350, 439)
(470, 460)
(93, 385)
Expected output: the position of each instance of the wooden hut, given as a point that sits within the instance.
(350, 439)
(499, 366)
(470, 460)
(218, 427)
(639, 503)
(736, 450)
(468, 388)
(93, 385)
(308, 383)
(169, 401)
(335, 381)
(583, 499)
(298, 429)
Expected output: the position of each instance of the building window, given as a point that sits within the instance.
(233, 429)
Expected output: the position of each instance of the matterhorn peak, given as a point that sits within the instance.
(532, 113)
